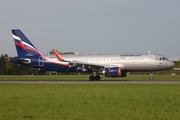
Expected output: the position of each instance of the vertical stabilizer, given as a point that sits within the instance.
(23, 46)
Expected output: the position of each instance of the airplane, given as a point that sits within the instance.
(110, 65)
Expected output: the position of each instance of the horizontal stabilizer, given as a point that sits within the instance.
(20, 60)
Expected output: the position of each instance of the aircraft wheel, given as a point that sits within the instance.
(97, 77)
(91, 78)
(151, 78)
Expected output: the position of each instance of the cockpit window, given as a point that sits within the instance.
(163, 58)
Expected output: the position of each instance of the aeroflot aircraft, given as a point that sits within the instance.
(111, 65)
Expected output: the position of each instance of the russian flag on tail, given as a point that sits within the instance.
(23, 46)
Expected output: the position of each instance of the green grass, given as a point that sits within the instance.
(85, 77)
(82, 102)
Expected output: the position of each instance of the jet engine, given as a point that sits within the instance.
(114, 72)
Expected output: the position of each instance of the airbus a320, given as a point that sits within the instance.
(111, 65)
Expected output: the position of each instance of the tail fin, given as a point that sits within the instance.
(23, 46)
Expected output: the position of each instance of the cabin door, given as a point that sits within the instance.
(151, 58)
(41, 61)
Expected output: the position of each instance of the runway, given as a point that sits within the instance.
(88, 82)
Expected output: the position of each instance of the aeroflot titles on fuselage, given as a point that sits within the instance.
(131, 55)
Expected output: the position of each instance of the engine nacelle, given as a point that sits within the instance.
(114, 72)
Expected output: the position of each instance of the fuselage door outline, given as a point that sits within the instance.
(41, 61)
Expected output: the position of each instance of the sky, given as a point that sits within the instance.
(93, 26)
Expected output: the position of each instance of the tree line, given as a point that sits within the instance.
(8, 68)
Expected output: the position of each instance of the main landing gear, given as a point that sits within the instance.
(151, 76)
(93, 78)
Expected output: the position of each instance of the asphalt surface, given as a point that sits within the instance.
(90, 82)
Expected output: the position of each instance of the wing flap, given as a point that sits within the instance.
(85, 64)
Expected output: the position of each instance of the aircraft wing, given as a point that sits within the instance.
(77, 63)
(90, 65)
(86, 64)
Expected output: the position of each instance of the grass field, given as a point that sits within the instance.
(85, 77)
(87, 102)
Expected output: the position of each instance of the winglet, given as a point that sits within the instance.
(57, 55)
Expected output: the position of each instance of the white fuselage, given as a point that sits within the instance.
(128, 62)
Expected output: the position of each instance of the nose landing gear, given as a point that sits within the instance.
(151, 76)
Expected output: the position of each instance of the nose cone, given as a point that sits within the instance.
(171, 64)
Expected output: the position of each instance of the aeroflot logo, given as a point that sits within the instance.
(131, 55)
(24, 43)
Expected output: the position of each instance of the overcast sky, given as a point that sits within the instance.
(93, 26)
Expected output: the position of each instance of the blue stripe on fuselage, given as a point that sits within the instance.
(56, 67)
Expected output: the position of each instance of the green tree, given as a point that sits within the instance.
(9, 68)
(2, 65)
